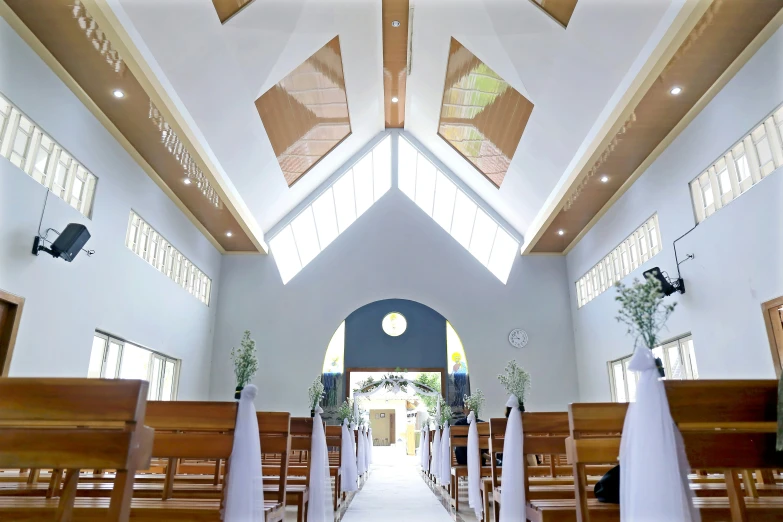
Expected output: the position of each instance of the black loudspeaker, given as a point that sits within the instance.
(67, 245)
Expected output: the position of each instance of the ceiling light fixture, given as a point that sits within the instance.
(229, 234)
(560, 232)
(675, 90)
(395, 23)
(186, 181)
(395, 99)
(604, 179)
(118, 93)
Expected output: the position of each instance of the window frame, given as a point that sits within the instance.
(686, 359)
(154, 354)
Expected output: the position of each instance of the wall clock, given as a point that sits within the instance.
(517, 338)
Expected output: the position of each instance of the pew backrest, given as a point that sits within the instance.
(458, 436)
(275, 433)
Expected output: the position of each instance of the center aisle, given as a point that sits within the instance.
(395, 492)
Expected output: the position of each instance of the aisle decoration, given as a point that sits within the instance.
(445, 445)
(316, 393)
(361, 449)
(348, 472)
(516, 381)
(245, 362)
(244, 483)
(654, 477)
(424, 446)
(474, 402)
(320, 508)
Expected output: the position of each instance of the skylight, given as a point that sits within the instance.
(333, 211)
(455, 211)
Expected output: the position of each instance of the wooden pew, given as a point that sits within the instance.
(334, 442)
(458, 436)
(70, 424)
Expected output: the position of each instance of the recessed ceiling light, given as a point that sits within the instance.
(676, 90)
(187, 181)
(395, 99)
(560, 232)
(604, 179)
(118, 93)
(395, 23)
(229, 234)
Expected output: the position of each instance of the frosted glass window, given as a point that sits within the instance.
(748, 169)
(96, 357)
(619, 383)
(504, 251)
(425, 184)
(639, 247)
(445, 192)
(305, 236)
(406, 168)
(332, 211)
(32, 150)
(325, 218)
(148, 244)
(483, 237)
(464, 216)
(345, 201)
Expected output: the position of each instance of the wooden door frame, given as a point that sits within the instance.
(348, 371)
(774, 331)
(8, 336)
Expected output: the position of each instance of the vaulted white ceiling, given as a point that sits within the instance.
(216, 72)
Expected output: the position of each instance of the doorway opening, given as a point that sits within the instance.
(10, 316)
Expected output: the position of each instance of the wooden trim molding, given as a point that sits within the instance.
(774, 324)
(9, 328)
(348, 371)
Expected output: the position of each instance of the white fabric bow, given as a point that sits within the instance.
(512, 494)
(369, 447)
(245, 486)
(654, 468)
(348, 460)
(361, 450)
(425, 448)
(474, 468)
(434, 469)
(320, 505)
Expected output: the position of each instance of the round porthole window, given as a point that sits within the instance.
(394, 324)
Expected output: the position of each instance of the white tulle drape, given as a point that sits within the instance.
(444, 460)
(474, 468)
(434, 469)
(320, 507)
(361, 449)
(512, 493)
(349, 479)
(369, 448)
(653, 466)
(424, 450)
(245, 486)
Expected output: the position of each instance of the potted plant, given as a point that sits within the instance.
(245, 362)
(315, 391)
(516, 381)
(643, 312)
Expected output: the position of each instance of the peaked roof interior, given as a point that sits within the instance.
(259, 102)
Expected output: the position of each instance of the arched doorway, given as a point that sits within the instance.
(392, 334)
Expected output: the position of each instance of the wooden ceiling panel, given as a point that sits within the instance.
(306, 113)
(228, 8)
(560, 10)
(395, 60)
(697, 64)
(68, 32)
(482, 117)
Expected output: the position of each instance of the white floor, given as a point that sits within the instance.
(395, 492)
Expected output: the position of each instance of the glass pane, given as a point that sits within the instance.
(154, 389)
(706, 193)
(344, 200)
(764, 151)
(362, 179)
(285, 254)
(135, 362)
(96, 357)
(631, 381)
(687, 349)
(112, 358)
(724, 181)
(325, 218)
(743, 169)
(483, 237)
(406, 168)
(425, 184)
(167, 393)
(504, 251)
(445, 192)
(676, 371)
(464, 215)
(619, 382)
(381, 166)
(305, 235)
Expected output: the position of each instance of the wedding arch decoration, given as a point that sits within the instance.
(395, 383)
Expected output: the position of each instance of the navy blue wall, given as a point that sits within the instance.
(422, 345)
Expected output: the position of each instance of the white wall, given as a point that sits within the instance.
(739, 260)
(395, 250)
(115, 290)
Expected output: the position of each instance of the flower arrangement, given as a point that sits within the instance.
(316, 392)
(345, 411)
(445, 411)
(474, 402)
(642, 310)
(515, 380)
(245, 360)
